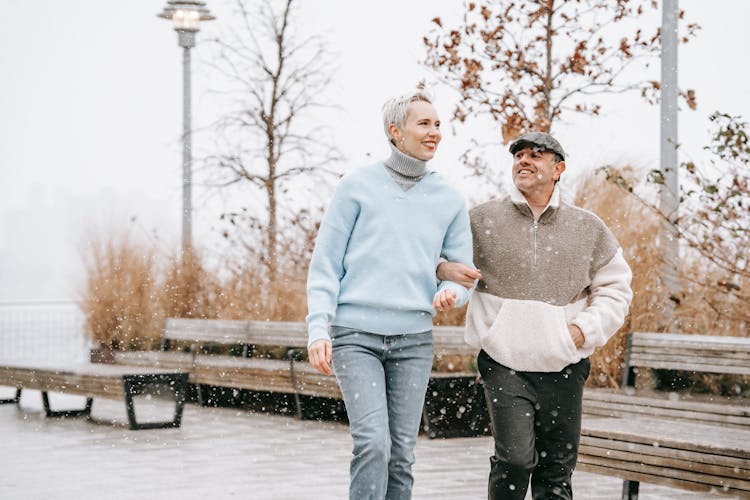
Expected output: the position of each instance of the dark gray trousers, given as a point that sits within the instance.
(536, 423)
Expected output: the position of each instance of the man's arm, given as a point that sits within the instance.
(458, 273)
(608, 303)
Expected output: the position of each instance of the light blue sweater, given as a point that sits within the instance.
(373, 267)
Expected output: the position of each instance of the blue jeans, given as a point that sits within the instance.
(383, 379)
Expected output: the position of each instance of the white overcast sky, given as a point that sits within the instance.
(90, 116)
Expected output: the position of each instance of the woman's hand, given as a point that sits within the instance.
(319, 354)
(444, 300)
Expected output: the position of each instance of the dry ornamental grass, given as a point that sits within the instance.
(129, 290)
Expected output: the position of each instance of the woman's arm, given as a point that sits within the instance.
(327, 263)
(457, 247)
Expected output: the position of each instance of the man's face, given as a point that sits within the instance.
(536, 171)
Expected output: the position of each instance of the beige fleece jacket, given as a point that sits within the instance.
(539, 277)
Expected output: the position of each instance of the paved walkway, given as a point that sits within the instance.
(225, 453)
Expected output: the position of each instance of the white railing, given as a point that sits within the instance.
(43, 331)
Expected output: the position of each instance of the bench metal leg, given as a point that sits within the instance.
(204, 395)
(630, 490)
(628, 372)
(135, 385)
(12, 400)
(292, 355)
(85, 412)
(298, 404)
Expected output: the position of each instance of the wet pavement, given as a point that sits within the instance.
(225, 453)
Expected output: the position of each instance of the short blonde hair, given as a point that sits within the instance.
(396, 109)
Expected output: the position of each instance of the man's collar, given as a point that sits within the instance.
(517, 197)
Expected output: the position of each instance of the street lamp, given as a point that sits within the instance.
(186, 16)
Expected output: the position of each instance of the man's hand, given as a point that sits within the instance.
(577, 335)
(444, 300)
(319, 355)
(458, 273)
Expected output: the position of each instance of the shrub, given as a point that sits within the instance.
(119, 294)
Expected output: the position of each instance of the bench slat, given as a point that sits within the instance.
(87, 369)
(694, 367)
(631, 409)
(669, 468)
(198, 330)
(277, 333)
(690, 353)
(269, 382)
(658, 475)
(722, 473)
(691, 341)
(243, 373)
(702, 404)
(107, 387)
(672, 434)
(310, 382)
(647, 449)
(82, 379)
(159, 359)
(449, 341)
(697, 402)
(697, 358)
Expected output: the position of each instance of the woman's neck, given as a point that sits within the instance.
(404, 164)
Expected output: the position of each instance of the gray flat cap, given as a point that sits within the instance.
(538, 140)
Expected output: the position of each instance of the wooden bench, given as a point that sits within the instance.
(95, 380)
(290, 374)
(693, 442)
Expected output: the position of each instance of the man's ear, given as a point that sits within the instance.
(559, 169)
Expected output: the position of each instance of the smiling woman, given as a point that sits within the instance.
(372, 281)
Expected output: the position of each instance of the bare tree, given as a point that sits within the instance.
(272, 139)
(526, 63)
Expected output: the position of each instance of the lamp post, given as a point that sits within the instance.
(186, 16)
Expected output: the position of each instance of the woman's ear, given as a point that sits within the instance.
(395, 133)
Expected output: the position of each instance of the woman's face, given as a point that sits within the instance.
(421, 133)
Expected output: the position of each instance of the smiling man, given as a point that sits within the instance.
(554, 286)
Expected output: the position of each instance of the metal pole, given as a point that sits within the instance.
(186, 41)
(186, 154)
(669, 193)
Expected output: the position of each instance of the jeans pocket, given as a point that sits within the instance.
(341, 334)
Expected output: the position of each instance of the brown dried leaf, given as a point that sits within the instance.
(690, 99)
(625, 48)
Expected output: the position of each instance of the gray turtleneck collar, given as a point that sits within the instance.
(404, 169)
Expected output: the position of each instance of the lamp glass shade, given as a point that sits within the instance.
(186, 19)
